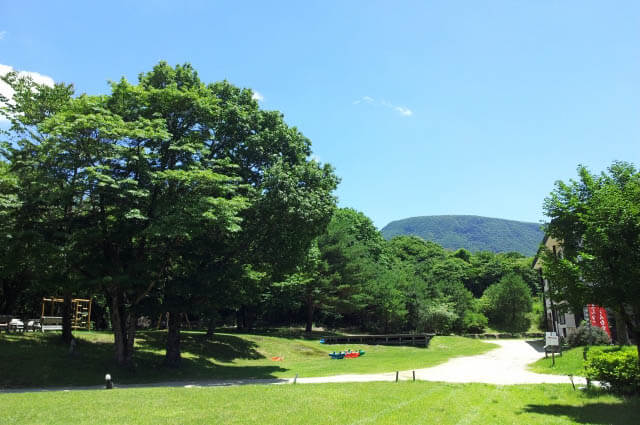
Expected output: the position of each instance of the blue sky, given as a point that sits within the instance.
(450, 107)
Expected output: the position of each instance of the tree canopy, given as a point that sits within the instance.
(597, 220)
(136, 193)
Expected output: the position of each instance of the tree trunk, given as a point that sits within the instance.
(124, 330)
(131, 337)
(211, 327)
(172, 357)
(67, 336)
(622, 337)
(636, 328)
(309, 326)
(241, 318)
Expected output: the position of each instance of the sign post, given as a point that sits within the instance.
(551, 343)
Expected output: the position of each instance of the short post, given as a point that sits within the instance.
(414, 376)
(572, 384)
(553, 358)
(108, 384)
(397, 373)
(295, 379)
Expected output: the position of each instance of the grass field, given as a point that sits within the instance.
(571, 362)
(363, 403)
(37, 360)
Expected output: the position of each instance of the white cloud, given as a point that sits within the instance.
(7, 91)
(257, 96)
(402, 110)
(365, 99)
(2, 34)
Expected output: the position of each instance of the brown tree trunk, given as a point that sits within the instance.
(119, 337)
(211, 327)
(172, 357)
(130, 338)
(309, 297)
(67, 336)
(622, 337)
(124, 330)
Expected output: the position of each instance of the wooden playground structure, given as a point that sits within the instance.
(80, 313)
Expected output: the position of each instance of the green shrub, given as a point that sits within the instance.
(438, 318)
(474, 322)
(619, 369)
(588, 335)
(507, 303)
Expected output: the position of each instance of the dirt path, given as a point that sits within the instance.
(506, 365)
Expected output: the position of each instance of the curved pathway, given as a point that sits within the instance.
(506, 365)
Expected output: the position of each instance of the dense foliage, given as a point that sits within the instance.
(506, 303)
(359, 280)
(178, 201)
(588, 335)
(619, 369)
(163, 196)
(470, 232)
(597, 220)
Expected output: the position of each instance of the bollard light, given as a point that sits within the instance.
(108, 384)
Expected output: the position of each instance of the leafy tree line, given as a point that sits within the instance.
(354, 278)
(175, 198)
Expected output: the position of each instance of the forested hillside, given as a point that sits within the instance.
(470, 232)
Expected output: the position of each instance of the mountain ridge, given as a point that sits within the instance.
(472, 232)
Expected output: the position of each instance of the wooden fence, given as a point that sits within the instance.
(396, 339)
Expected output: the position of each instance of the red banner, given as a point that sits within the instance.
(598, 317)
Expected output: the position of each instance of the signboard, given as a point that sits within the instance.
(551, 338)
(598, 317)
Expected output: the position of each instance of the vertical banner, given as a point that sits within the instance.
(598, 317)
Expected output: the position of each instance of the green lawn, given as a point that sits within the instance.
(37, 360)
(361, 403)
(571, 362)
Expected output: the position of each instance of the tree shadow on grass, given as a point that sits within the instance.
(625, 413)
(44, 361)
(221, 348)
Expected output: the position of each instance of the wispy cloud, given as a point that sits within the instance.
(7, 91)
(257, 96)
(402, 110)
(364, 99)
(2, 34)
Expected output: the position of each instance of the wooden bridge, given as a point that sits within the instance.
(421, 340)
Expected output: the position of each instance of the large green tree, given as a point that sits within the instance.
(147, 192)
(506, 303)
(597, 220)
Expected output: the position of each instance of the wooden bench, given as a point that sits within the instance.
(395, 339)
(51, 323)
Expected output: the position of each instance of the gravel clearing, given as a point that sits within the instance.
(506, 365)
